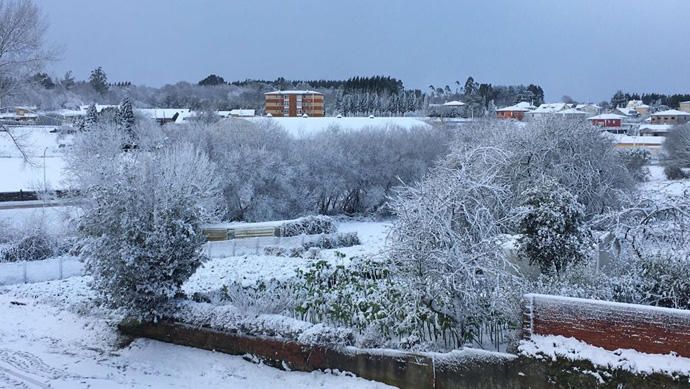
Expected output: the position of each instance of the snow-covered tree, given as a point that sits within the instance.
(141, 228)
(22, 52)
(677, 152)
(125, 116)
(553, 233)
(91, 117)
(445, 248)
(99, 80)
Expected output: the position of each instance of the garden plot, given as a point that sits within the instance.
(246, 267)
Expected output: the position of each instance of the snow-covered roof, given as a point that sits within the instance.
(70, 112)
(454, 103)
(671, 112)
(242, 112)
(551, 108)
(162, 113)
(607, 116)
(627, 111)
(583, 106)
(99, 107)
(572, 111)
(519, 107)
(656, 127)
(293, 92)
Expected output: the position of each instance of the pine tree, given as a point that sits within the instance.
(91, 118)
(125, 116)
(99, 80)
(68, 80)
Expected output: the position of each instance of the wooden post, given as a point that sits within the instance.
(24, 271)
(234, 246)
(60, 267)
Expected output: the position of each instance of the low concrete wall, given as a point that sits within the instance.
(609, 325)
(464, 369)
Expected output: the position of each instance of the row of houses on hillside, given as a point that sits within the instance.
(524, 110)
(31, 115)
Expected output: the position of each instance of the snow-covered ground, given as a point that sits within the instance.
(52, 219)
(51, 336)
(19, 174)
(248, 269)
(301, 127)
(659, 186)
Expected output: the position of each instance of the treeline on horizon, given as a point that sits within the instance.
(621, 98)
(360, 95)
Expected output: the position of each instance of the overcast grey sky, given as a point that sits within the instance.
(583, 48)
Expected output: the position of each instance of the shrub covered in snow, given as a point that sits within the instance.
(677, 152)
(141, 231)
(552, 230)
(310, 225)
(674, 173)
(334, 241)
(636, 161)
(34, 247)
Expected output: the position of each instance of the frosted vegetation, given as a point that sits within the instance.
(481, 215)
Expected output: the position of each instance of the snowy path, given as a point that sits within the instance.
(44, 344)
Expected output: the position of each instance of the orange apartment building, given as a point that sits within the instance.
(294, 103)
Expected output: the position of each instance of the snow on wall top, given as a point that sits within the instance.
(545, 298)
(671, 112)
(553, 346)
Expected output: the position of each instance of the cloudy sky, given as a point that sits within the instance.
(583, 48)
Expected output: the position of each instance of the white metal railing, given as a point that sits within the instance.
(39, 271)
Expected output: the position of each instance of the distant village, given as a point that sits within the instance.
(634, 124)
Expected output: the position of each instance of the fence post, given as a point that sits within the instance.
(24, 271)
(257, 245)
(234, 246)
(60, 266)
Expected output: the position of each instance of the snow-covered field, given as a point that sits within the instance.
(18, 174)
(52, 337)
(53, 219)
(300, 127)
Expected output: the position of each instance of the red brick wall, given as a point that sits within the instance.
(609, 325)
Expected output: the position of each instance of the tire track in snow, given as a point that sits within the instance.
(15, 365)
(18, 380)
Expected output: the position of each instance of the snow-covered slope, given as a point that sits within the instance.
(301, 127)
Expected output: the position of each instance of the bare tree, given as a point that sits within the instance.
(22, 49)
